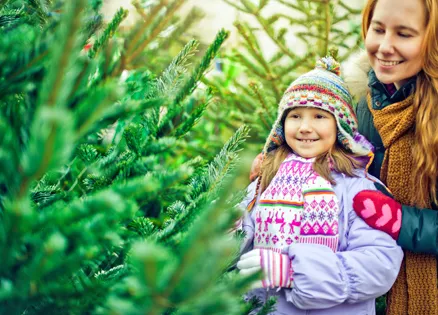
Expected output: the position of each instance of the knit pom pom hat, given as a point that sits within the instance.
(322, 88)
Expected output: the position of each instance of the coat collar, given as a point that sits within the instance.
(380, 95)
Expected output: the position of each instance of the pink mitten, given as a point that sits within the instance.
(379, 211)
(277, 268)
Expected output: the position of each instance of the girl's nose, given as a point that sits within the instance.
(305, 126)
(386, 45)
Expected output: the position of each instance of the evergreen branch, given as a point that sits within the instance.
(218, 212)
(268, 307)
(109, 32)
(113, 273)
(168, 80)
(255, 51)
(250, 7)
(162, 23)
(35, 61)
(62, 58)
(3, 3)
(78, 80)
(207, 183)
(294, 20)
(54, 81)
(274, 86)
(9, 16)
(95, 107)
(250, 65)
(78, 178)
(142, 226)
(152, 184)
(315, 1)
(291, 5)
(270, 32)
(353, 50)
(211, 52)
(140, 10)
(303, 36)
(262, 4)
(297, 63)
(349, 9)
(255, 88)
(231, 3)
(191, 120)
(341, 19)
(192, 17)
(327, 26)
(146, 23)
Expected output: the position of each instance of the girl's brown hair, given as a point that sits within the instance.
(425, 149)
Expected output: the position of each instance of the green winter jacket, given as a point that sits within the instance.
(419, 230)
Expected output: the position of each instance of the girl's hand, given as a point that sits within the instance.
(379, 211)
(276, 267)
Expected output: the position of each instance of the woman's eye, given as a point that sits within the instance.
(379, 30)
(405, 35)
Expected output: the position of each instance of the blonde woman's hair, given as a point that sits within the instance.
(425, 149)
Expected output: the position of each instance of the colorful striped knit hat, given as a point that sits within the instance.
(322, 88)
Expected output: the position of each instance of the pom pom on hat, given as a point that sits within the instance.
(330, 64)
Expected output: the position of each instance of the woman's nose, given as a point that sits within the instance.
(386, 45)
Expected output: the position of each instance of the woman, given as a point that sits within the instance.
(399, 116)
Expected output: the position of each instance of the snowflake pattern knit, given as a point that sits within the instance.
(297, 206)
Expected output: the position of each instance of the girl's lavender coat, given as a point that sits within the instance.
(346, 282)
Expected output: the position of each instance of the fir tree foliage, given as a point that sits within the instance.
(300, 32)
(105, 205)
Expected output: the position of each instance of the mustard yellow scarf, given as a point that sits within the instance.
(415, 290)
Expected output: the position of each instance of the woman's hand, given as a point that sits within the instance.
(255, 167)
(379, 211)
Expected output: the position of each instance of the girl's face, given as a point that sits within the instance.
(310, 131)
(394, 39)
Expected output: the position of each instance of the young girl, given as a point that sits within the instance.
(316, 255)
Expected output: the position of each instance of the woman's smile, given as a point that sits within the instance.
(389, 63)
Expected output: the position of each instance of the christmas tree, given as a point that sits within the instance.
(106, 205)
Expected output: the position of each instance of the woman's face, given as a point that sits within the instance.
(394, 39)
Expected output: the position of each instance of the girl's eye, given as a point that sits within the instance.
(320, 116)
(294, 116)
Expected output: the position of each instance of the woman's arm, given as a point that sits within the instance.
(413, 228)
(419, 230)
